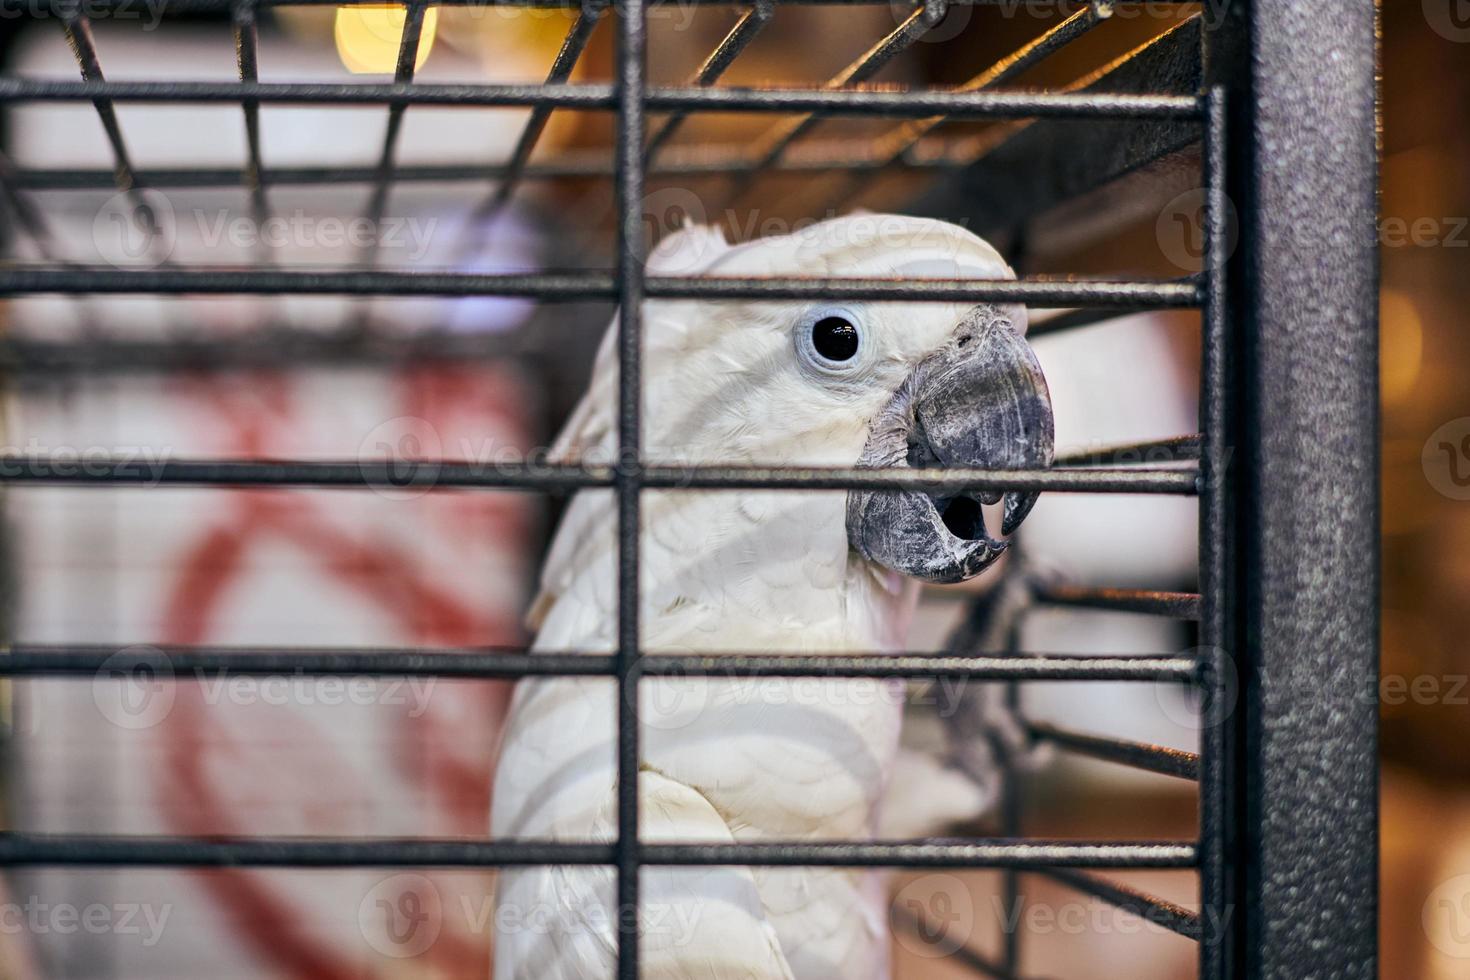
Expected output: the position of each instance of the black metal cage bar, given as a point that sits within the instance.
(1284, 463)
(1296, 782)
(1216, 511)
(630, 852)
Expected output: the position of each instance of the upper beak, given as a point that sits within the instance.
(979, 402)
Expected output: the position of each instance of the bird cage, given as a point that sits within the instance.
(1268, 107)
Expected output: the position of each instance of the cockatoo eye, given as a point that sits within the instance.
(835, 338)
(831, 341)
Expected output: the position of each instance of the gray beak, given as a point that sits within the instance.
(981, 402)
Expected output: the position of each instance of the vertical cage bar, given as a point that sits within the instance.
(78, 30)
(632, 40)
(893, 147)
(403, 72)
(721, 58)
(247, 61)
(1011, 816)
(1216, 844)
(773, 144)
(562, 67)
(79, 36)
(1303, 159)
(28, 218)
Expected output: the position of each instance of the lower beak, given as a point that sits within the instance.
(979, 402)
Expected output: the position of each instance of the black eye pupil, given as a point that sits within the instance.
(835, 338)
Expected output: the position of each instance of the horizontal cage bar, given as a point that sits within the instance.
(1176, 605)
(935, 854)
(598, 96)
(91, 660)
(27, 849)
(279, 347)
(587, 285)
(286, 346)
(1138, 755)
(84, 470)
(294, 347)
(707, 162)
(1035, 291)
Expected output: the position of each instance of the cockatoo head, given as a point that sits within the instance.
(871, 384)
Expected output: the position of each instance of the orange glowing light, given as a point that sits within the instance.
(368, 37)
(1401, 345)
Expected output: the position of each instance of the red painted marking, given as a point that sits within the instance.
(254, 421)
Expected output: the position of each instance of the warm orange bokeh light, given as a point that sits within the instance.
(368, 37)
(1401, 345)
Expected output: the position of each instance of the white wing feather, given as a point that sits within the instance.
(696, 923)
(590, 434)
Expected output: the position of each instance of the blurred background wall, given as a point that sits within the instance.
(1426, 504)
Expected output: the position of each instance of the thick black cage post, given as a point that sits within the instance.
(1279, 97)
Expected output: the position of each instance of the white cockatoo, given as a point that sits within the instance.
(732, 759)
